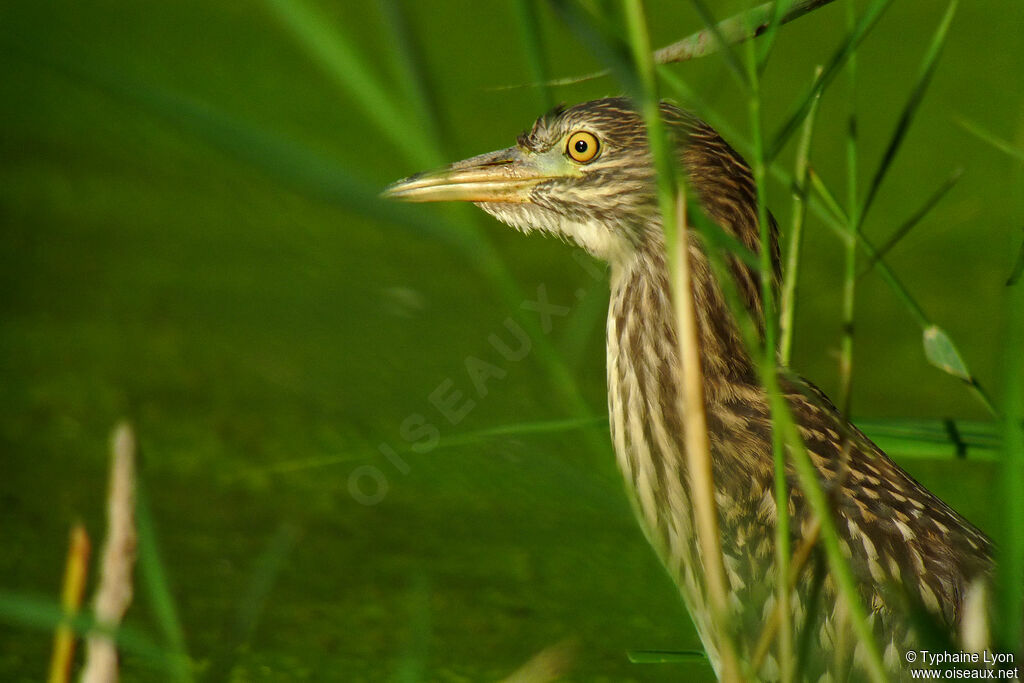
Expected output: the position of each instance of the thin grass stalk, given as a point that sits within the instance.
(805, 469)
(698, 446)
(769, 362)
(784, 429)
(849, 297)
(791, 270)
(671, 196)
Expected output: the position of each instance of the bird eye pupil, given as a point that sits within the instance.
(581, 146)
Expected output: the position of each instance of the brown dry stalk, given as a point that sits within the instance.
(698, 446)
(114, 593)
(735, 29)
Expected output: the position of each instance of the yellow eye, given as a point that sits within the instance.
(582, 147)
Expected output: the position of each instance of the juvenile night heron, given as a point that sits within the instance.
(585, 174)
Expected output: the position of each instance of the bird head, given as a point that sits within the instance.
(585, 174)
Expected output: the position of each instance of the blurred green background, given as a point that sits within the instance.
(265, 336)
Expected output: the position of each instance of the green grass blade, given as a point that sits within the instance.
(533, 45)
(413, 75)
(791, 270)
(914, 219)
(340, 60)
(849, 293)
(853, 40)
(995, 141)
(157, 587)
(45, 614)
(910, 109)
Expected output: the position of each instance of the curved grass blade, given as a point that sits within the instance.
(264, 574)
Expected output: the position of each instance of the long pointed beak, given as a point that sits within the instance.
(507, 175)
